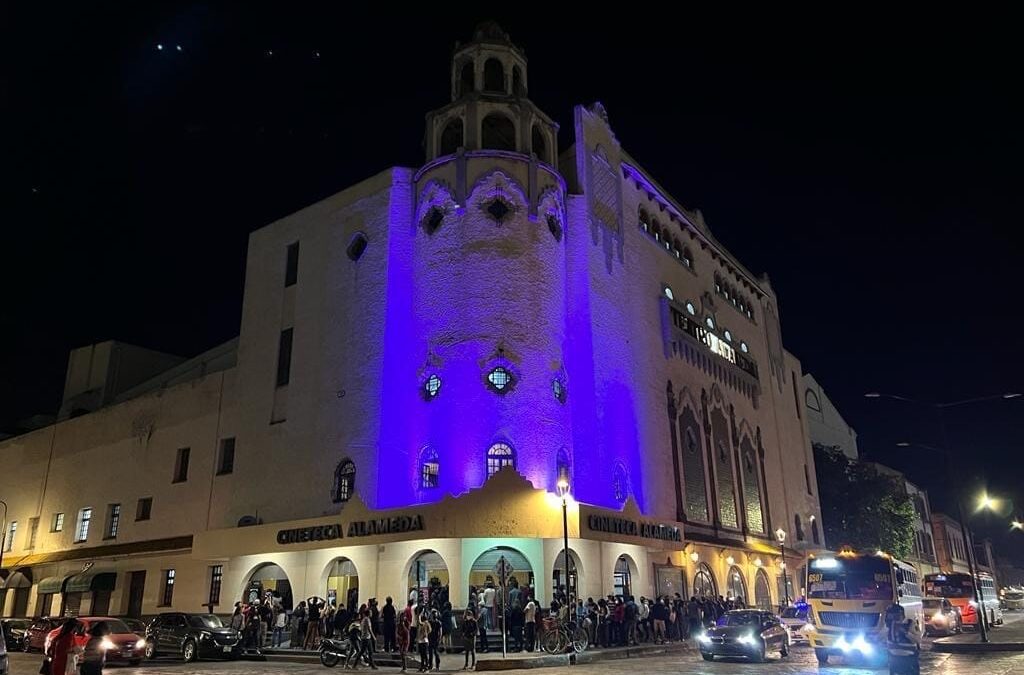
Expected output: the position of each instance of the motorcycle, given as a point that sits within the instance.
(332, 652)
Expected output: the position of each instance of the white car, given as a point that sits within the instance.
(795, 620)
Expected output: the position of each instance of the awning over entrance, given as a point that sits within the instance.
(93, 580)
(50, 585)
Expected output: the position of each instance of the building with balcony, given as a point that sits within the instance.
(422, 358)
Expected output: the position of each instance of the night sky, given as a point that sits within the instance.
(872, 166)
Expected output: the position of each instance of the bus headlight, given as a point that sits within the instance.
(862, 646)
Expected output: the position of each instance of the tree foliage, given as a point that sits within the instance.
(862, 508)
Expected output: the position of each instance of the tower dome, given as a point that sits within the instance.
(489, 108)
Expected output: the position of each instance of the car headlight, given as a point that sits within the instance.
(107, 644)
(862, 645)
(140, 643)
(747, 639)
(704, 639)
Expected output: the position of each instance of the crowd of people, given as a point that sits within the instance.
(428, 625)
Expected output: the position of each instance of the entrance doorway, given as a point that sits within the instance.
(559, 587)
(485, 582)
(622, 578)
(269, 580)
(21, 583)
(343, 584)
(136, 589)
(704, 582)
(428, 580)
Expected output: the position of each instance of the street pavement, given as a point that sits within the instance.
(800, 661)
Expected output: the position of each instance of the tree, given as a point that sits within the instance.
(862, 508)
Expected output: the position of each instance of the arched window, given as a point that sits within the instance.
(344, 481)
(451, 137)
(558, 389)
(728, 335)
(620, 483)
(562, 465)
(645, 221)
(540, 147)
(718, 284)
(554, 227)
(432, 386)
(709, 322)
(815, 534)
(676, 251)
(744, 348)
(466, 78)
(735, 586)
(430, 469)
(811, 399)
(499, 456)
(494, 76)
(517, 83)
(799, 527)
(669, 294)
(687, 257)
(656, 230)
(704, 582)
(498, 132)
(690, 308)
(762, 590)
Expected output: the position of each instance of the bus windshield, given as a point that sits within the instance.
(948, 585)
(850, 578)
(1015, 595)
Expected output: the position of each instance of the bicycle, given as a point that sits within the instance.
(560, 637)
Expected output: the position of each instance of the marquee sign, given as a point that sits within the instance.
(633, 528)
(357, 528)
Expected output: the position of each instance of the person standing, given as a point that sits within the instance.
(237, 620)
(366, 638)
(298, 633)
(354, 652)
(266, 616)
(402, 637)
(410, 617)
(469, 628)
(530, 621)
(488, 603)
(94, 655)
(279, 623)
(312, 625)
(423, 641)
(436, 632)
(388, 614)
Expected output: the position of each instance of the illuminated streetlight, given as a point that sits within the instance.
(780, 535)
(1016, 525)
(986, 502)
(563, 491)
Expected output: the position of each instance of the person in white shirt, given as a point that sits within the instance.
(530, 614)
(488, 604)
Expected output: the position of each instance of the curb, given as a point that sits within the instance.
(562, 660)
(976, 647)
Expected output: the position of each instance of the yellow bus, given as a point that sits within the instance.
(848, 595)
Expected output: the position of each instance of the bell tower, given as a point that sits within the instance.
(489, 109)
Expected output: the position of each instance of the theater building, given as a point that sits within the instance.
(421, 357)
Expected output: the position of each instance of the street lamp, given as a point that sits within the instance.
(3, 534)
(938, 409)
(563, 492)
(780, 534)
(1016, 525)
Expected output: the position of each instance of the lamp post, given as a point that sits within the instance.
(563, 492)
(780, 534)
(3, 534)
(938, 409)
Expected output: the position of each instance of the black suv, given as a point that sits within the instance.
(191, 636)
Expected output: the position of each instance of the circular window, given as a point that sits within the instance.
(500, 379)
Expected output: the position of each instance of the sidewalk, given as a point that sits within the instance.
(491, 660)
(1006, 638)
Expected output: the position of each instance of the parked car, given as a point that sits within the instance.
(940, 617)
(4, 661)
(35, 636)
(795, 619)
(137, 626)
(121, 644)
(745, 632)
(192, 636)
(14, 633)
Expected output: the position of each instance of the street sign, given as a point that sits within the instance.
(503, 568)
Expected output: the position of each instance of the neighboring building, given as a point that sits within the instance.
(828, 428)
(421, 358)
(1009, 574)
(923, 556)
(950, 548)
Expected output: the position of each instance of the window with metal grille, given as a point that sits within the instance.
(216, 578)
(144, 508)
(168, 595)
(12, 530)
(58, 522)
(113, 520)
(430, 470)
(344, 481)
(500, 379)
(82, 530)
